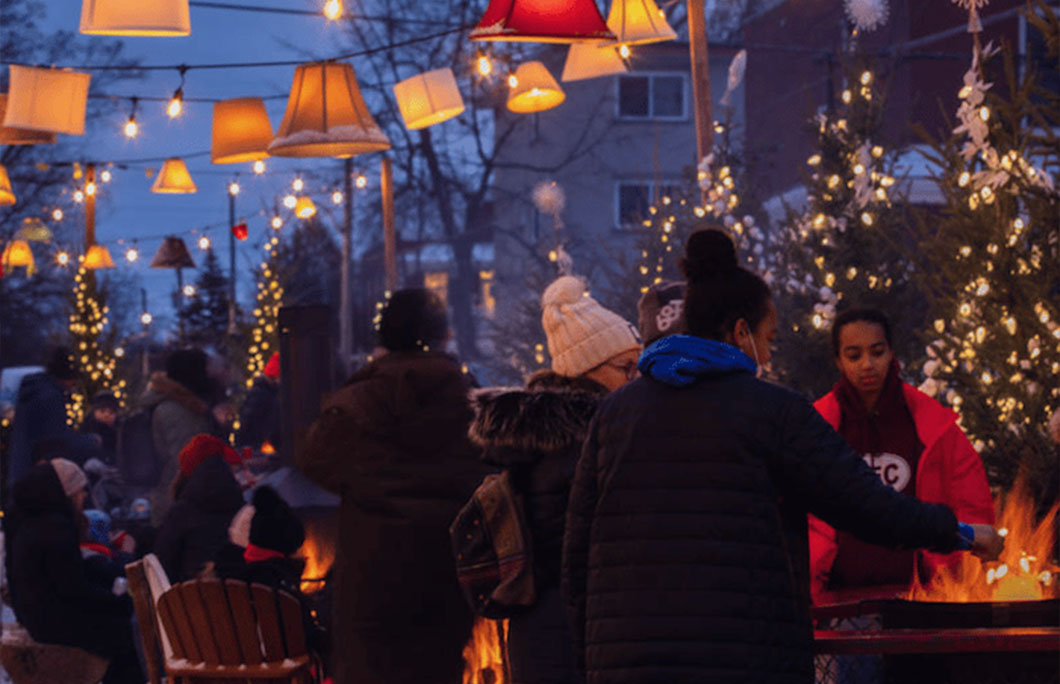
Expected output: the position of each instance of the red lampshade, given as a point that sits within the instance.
(240, 231)
(542, 21)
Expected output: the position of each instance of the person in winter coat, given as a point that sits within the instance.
(685, 554)
(180, 402)
(53, 594)
(537, 433)
(206, 496)
(102, 420)
(259, 418)
(40, 412)
(911, 441)
(393, 444)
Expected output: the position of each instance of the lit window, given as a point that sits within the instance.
(438, 283)
(652, 96)
(488, 304)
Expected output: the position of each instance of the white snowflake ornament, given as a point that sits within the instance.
(867, 15)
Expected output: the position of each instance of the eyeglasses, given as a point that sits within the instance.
(628, 368)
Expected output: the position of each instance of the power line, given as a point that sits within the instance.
(311, 13)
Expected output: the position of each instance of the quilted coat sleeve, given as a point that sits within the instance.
(576, 540)
(818, 468)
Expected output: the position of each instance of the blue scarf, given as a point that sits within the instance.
(681, 360)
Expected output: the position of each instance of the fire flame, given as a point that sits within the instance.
(484, 661)
(318, 550)
(1026, 570)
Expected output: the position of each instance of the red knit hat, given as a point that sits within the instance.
(202, 447)
(272, 368)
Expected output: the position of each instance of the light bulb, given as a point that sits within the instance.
(297, 184)
(105, 176)
(132, 129)
(62, 258)
(131, 255)
(90, 189)
(57, 214)
(333, 9)
(259, 167)
(204, 243)
(866, 78)
(233, 188)
(277, 223)
(289, 201)
(79, 196)
(336, 197)
(484, 66)
(176, 104)
(624, 51)
(189, 290)
(361, 182)
(512, 81)
(146, 318)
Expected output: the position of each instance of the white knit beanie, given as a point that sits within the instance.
(71, 477)
(239, 528)
(581, 334)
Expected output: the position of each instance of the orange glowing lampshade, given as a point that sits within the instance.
(135, 17)
(18, 253)
(326, 116)
(542, 21)
(636, 22)
(10, 135)
(429, 98)
(174, 178)
(50, 100)
(241, 131)
(585, 60)
(98, 256)
(7, 195)
(305, 208)
(533, 89)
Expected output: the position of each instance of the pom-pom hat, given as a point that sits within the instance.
(272, 368)
(203, 447)
(581, 333)
(71, 477)
(274, 525)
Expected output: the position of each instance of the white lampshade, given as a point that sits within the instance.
(21, 136)
(47, 100)
(241, 131)
(135, 17)
(7, 194)
(326, 116)
(174, 178)
(585, 60)
(636, 22)
(535, 90)
(429, 98)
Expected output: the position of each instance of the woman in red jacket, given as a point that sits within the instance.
(910, 440)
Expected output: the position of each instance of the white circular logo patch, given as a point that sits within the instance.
(893, 470)
(669, 314)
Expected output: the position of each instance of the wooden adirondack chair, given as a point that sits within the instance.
(228, 630)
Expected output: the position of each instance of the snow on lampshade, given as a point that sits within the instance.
(304, 208)
(241, 131)
(174, 178)
(172, 253)
(326, 116)
(542, 21)
(636, 22)
(34, 230)
(135, 17)
(10, 135)
(50, 100)
(18, 253)
(97, 256)
(429, 98)
(585, 60)
(534, 89)
(7, 194)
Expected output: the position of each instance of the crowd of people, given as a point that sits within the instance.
(682, 513)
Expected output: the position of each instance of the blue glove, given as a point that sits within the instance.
(965, 535)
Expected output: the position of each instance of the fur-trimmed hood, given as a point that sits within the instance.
(551, 414)
(162, 387)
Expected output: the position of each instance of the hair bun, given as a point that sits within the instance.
(563, 291)
(708, 254)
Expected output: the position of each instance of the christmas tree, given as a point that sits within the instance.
(92, 350)
(205, 314)
(844, 249)
(265, 331)
(992, 278)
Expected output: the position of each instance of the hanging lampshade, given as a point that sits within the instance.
(34, 230)
(174, 178)
(7, 195)
(636, 22)
(304, 208)
(241, 131)
(542, 21)
(429, 98)
(135, 18)
(50, 100)
(10, 135)
(98, 256)
(172, 254)
(535, 90)
(585, 60)
(326, 116)
(18, 253)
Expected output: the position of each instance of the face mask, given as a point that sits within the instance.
(754, 352)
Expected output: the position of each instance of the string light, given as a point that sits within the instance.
(90, 189)
(204, 243)
(624, 52)
(259, 167)
(290, 201)
(361, 181)
(512, 81)
(146, 318)
(62, 258)
(132, 129)
(131, 255)
(277, 223)
(233, 188)
(333, 9)
(297, 185)
(484, 66)
(57, 215)
(336, 197)
(189, 291)
(105, 176)
(79, 196)
(176, 104)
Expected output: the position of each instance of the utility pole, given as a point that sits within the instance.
(701, 103)
(233, 190)
(389, 230)
(345, 299)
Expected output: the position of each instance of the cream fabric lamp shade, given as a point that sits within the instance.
(585, 60)
(636, 22)
(7, 194)
(135, 17)
(47, 100)
(429, 98)
(326, 116)
(21, 136)
(305, 208)
(241, 131)
(174, 178)
(535, 90)
(98, 256)
(18, 253)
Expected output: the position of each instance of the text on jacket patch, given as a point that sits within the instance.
(893, 470)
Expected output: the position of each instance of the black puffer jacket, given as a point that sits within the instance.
(259, 418)
(685, 557)
(537, 434)
(196, 526)
(393, 443)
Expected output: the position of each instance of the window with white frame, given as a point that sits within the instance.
(652, 96)
(633, 200)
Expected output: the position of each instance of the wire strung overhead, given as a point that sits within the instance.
(311, 13)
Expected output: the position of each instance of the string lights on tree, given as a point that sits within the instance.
(87, 322)
(264, 335)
